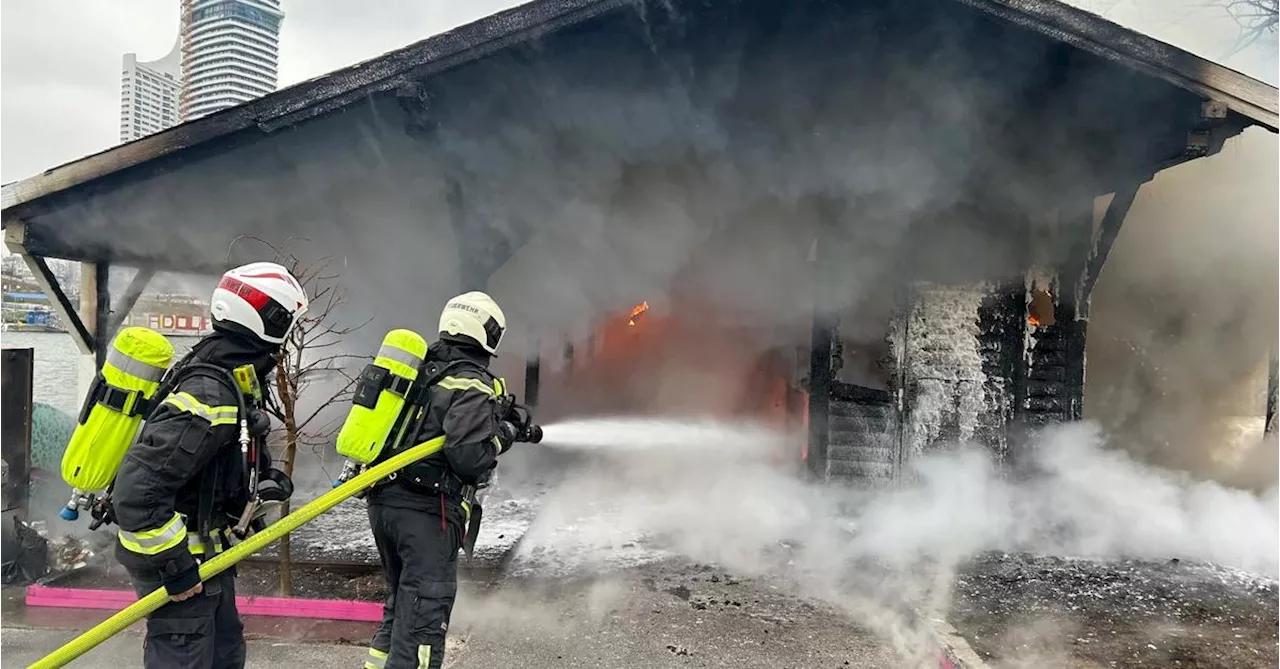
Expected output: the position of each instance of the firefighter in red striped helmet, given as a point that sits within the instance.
(184, 481)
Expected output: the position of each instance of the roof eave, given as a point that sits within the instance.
(1101, 37)
(323, 94)
(317, 96)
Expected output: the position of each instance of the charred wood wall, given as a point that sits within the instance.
(942, 395)
(1048, 396)
(963, 374)
(863, 434)
(1001, 320)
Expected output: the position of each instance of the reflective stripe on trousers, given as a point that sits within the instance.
(150, 542)
(424, 656)
(377, 659)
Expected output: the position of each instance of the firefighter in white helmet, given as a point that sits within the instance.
(420, 517)
(183, 482)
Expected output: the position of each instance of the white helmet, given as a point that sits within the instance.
(261, 299)
(475, 316)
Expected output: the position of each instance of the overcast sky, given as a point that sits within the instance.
(60, 59)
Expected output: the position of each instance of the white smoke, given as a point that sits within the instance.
(878, 554)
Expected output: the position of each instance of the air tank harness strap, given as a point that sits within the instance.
(122, 400)
(374, 380)
(128, 402)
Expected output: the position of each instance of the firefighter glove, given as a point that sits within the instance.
(508, 433)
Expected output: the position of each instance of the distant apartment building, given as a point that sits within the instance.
(230, 53)
(149, 95)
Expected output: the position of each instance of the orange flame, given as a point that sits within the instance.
(1041, 302)
(636, 311)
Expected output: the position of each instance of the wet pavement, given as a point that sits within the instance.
(659, 616)
(23, 646)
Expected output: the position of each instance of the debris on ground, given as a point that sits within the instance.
(1037, 611)
(26, 555)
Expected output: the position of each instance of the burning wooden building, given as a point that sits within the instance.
(879, 221)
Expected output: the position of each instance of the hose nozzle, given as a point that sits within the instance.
(532, 434)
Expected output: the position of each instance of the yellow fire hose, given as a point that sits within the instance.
(145, 606)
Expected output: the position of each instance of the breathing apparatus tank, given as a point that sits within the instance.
(379, 399)
(118, 401)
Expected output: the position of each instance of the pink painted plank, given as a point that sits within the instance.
(284, 607)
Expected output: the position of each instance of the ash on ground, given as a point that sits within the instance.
(1025, 611)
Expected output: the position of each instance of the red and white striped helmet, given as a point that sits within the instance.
(260, 299)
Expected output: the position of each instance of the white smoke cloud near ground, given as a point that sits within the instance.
(881, 555)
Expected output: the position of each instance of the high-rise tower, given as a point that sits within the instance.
(149, 94)
(230, 53)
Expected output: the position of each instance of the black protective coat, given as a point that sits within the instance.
(162, 474)
(418, 533)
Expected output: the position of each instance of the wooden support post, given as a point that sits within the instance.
(820, 377)
(95, 308)
(532, 372)
(15, 425)
(101, 312)
(1273, 392)
(1078, 278)
(131, 294)
(60, 302)
(1103, 239)
(1071, 313)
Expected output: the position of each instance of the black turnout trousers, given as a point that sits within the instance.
(420, 559)
(201, 632)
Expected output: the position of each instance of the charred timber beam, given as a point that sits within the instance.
(849, 392)
(1273, 392)
(61, 303)
(819, 393)
(102, 312)
(532, 372)
(1104, 238)
(822, 332)
(15, 238)
(129, 299)
(1071, 308)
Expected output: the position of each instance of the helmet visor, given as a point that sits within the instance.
(276, 319)
(492, 333)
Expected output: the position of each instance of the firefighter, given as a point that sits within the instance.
(183, 481)
(419, 516)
